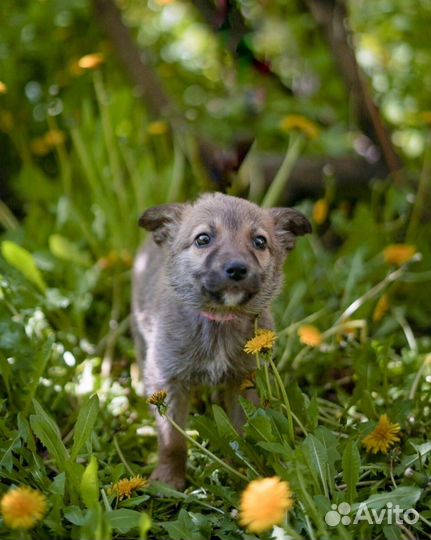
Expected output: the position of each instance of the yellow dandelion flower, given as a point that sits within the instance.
(158, 127)
(40, 147)
(310, 335)
(264, 503)
(123, 488)
(126, 258)
(91, 61)
(398, 254)
(383, 436)
(23, 507)
(425, 117)
(6, 121)
(3, 88)
(301, 123)
(263, 340)
(116, 259)
(320, 211)
(381, 308)
(158, 400)
(55, 137)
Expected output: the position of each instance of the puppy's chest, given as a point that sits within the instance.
(216, 357)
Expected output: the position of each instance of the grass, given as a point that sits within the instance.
(72, 423)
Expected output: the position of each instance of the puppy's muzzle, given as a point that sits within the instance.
(233, 284)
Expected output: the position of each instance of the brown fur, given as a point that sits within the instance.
(178, 287)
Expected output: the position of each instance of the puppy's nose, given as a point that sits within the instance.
(236, 270)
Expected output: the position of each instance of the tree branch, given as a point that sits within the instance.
(133, 59)
(352, 176)
(332, 17)
(226, 17)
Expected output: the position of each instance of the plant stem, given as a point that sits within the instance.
(421, 196)
(279, 183)
(374, 291)
(110, 143)
(121, 456)
(291, 531)
(174, 192)
(7, 219)
(311, 506)
(205, 450)
(291, 432)
(427, 361)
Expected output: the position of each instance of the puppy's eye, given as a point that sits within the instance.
(202, 240)
(259, 242)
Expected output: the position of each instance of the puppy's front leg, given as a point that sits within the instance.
(172, 445)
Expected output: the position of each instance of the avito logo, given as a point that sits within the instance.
(388, 515)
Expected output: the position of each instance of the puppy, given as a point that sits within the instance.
(211, 268)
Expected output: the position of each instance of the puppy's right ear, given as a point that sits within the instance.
(160, 220)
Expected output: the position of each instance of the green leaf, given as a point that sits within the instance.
(259, 427)
(25, 432)
(351, 469)
(224, 426)
(84, 425)
(330, 442)
(144, 526)
(134, 501)
(47, 431)
(74, 515)
(313, 412)
(205, 427)
(366, 405)
(405, 496)
(159, 489)
(66, 250)
(280, 424)
(411, 459)
(299, 402)
(317, 458)
(123, 519)
(58, 485)
(5, 372)
(6, 452)
(23, 261)
(275, 448)
(247, 406)
(393, 532)
(90, 484)
(184, 528)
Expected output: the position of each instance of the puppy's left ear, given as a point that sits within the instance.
(289, 223)
(160, 220)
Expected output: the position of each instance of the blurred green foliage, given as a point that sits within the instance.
(81, 157)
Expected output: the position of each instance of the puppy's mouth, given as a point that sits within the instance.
(227, 298)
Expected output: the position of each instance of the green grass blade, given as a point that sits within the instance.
(351, 468)
(317, 459)
(84, 425)
(47, 431)
(23, 261)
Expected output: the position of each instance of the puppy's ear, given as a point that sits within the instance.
(160, 220)
(289, 223)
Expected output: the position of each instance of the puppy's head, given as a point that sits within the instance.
(225, 253)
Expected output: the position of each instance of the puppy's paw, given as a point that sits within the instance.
(170, 475)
